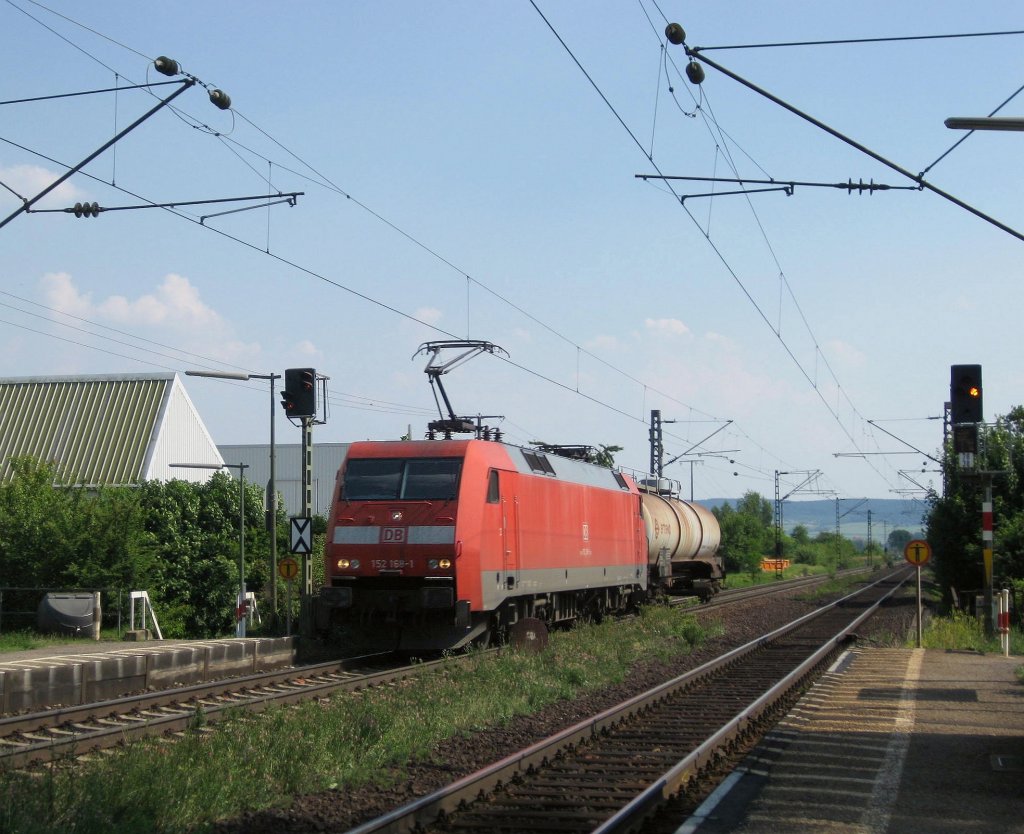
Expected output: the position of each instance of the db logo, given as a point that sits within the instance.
(394, 535)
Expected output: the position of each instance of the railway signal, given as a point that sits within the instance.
(965, 394)
(298, 399)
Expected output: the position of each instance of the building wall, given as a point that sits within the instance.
(327, 459)
(180, 436)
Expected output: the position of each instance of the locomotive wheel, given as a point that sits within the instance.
(529, 635)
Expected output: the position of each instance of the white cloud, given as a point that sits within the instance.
(29, 180)
(846, 352)
(668, 327)
(603, 343)
(429, 315)
(175, 303)
(173, 313)
(719, 340)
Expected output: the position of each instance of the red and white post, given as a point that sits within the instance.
(1003, 621)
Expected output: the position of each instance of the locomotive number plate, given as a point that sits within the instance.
(391, 564)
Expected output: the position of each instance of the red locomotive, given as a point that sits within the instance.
(436, 544)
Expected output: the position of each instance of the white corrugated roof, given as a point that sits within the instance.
(110, 429)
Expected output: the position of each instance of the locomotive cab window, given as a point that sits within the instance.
(493, 493)
(391, 479)
(431, 478)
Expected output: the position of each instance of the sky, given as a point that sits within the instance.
(470, 170)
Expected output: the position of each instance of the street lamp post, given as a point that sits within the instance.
(271, 494)
(240, 610)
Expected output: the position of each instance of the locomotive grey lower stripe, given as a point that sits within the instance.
(356, 535)
(494, 584)
(431, 535)
(398, 535)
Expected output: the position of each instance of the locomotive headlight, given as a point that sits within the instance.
(445, 563)
(343, 563)
(355, 564)
(432, 564)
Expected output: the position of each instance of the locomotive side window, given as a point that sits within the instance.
(431, 479)
(538, 462)
(493, 493)
(390, 479)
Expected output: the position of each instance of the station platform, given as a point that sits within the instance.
(86, 671)
(887, 741)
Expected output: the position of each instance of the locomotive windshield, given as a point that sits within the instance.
(411, 479)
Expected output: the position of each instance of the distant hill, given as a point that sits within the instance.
(819, 516)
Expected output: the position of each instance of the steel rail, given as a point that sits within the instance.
(73, 731)
(48, 735)
(687, 768)
(425, 812)
(750, 592)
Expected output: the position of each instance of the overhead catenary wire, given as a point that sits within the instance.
(857, 145)
(326, 181)
(542, 376)
(88, 92)
(966, 135)
(777, 329)
(849, 41)
(344, 399)
(417, 242)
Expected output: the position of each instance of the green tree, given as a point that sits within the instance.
(179, 541)
(193, 530)
(756, 505)
(746, 533)
(835, 551)
(605, 455)
(68, 537)
(954, 519)
(898, 540)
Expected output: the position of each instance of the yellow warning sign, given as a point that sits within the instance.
(917, 552)
(288, 568)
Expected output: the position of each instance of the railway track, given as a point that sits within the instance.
(54, 734)
(736, 595)
(64, 732)
(613, 771)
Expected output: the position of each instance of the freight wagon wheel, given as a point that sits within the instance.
(529, 635)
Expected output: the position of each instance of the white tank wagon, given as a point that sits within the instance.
(682, 543)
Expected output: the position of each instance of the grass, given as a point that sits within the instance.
(964, 632)
(739, 579)
(255, 762)
(16, 641)
(832, 586)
